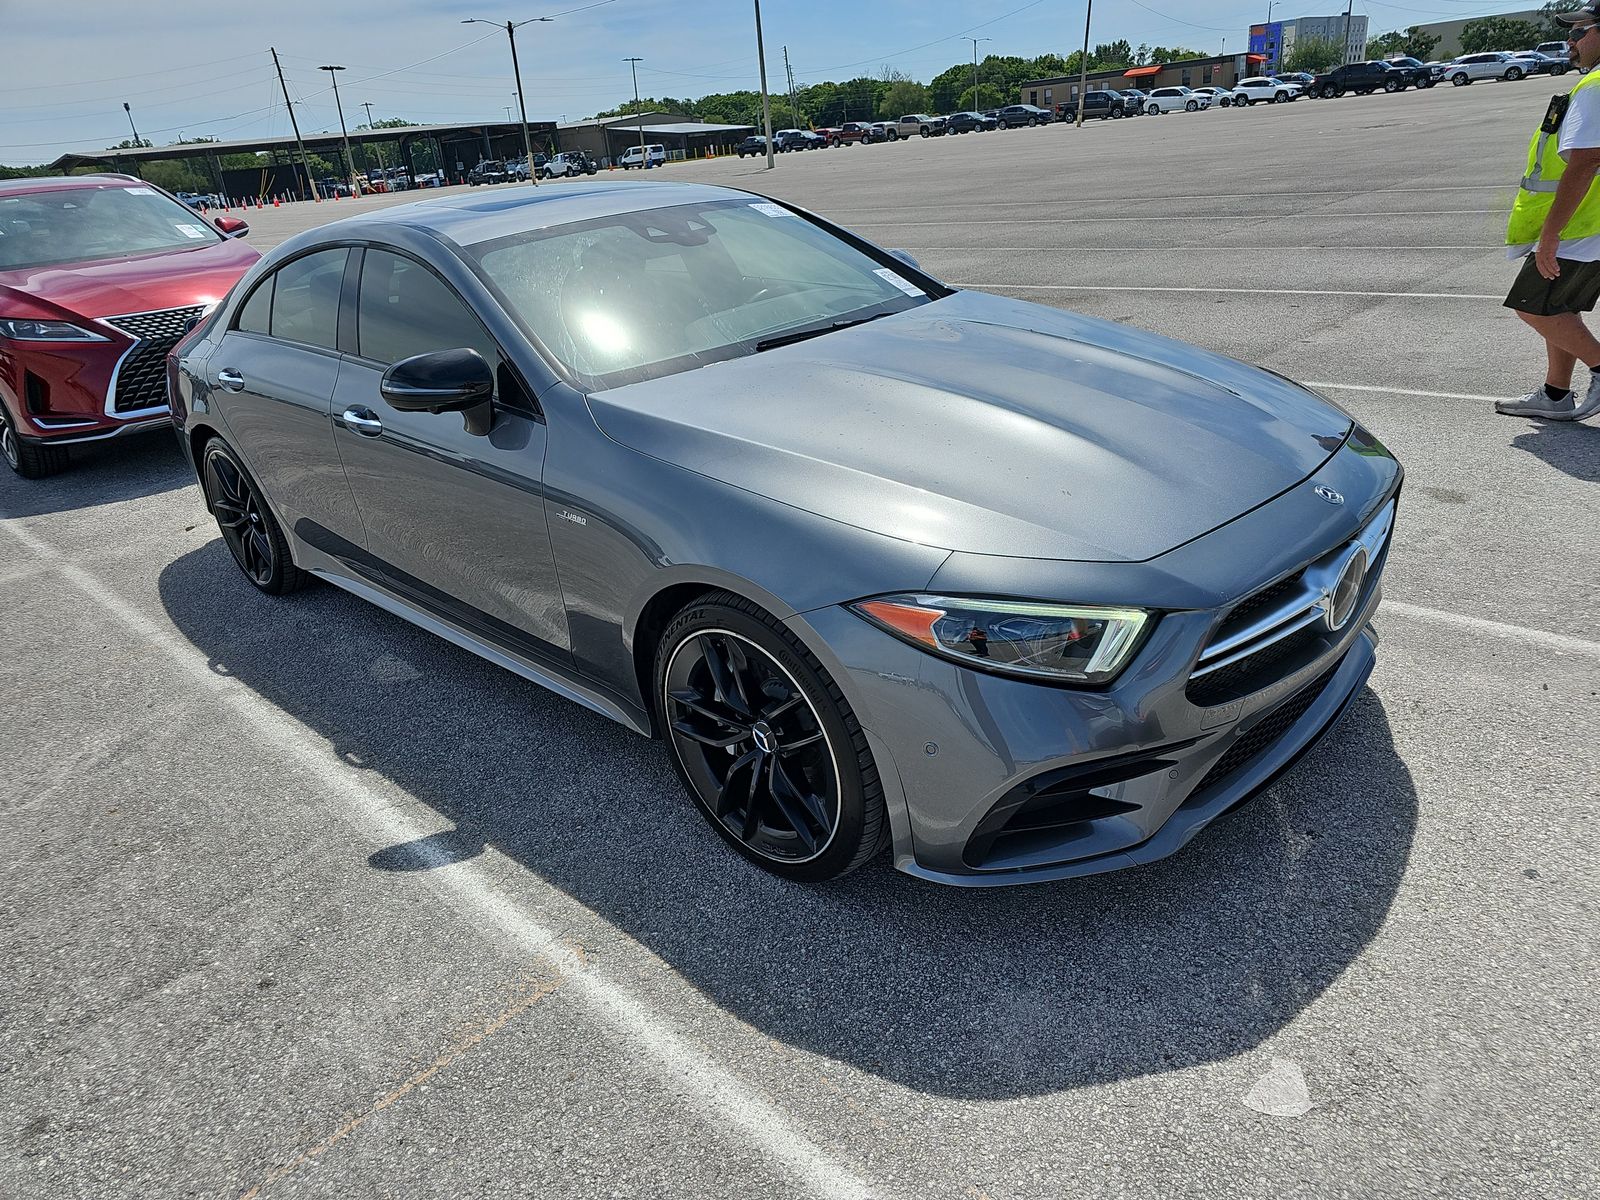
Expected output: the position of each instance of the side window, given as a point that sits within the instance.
(406, 309)
(305, 299)
(256, 314)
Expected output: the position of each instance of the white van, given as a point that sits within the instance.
(643, 156)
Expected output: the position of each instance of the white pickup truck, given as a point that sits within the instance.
(918, 124)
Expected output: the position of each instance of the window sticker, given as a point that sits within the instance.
(189, 231)
(772, 210)
(904, 285)
(140, 191)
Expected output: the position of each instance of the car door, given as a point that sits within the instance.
(455, 520)
(272, 380)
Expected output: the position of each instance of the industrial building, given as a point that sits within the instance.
(1275, 41)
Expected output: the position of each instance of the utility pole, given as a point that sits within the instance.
(349, 159)
(766, 100)
(1348, 6)
(1083, 67)
(788, 71)
(975, 42)
(522, 106)
(294, 124)
(638, 117)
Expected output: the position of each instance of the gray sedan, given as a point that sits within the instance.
(1020, 594)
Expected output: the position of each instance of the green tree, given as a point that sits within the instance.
(1414, 42)
(1165, 54)
(902, 97)
(1498, 33)
(1110, 55)
(1314, 54)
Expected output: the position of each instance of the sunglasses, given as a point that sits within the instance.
(1579, 32)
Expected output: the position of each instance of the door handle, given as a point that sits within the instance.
(363, 421)
(231, 379)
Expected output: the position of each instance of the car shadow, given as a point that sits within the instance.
(1570, 447)
(99, 473)
(975, 994)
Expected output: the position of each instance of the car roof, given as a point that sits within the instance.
(61, 183)
(468, 217)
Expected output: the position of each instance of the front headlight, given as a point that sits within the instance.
(46, 331)
(1066, 643)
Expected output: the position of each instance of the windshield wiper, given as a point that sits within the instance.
(800, 335)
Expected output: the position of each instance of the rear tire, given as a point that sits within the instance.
(1460, 80)
(28, 459)
(725, 671)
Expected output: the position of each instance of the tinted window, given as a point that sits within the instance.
(405, 309)
(305, 299)
(256, 315)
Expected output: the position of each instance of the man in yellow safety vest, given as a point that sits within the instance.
(1555, 229)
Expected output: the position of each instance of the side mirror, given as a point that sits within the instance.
(232, 226)
(907, 259)
(443, 381)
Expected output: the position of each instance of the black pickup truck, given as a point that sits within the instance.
(1418, 74)
(1096, 105)
(1362, 78)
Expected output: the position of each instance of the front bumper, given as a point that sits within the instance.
(992, 781)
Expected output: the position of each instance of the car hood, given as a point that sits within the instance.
(144, 283)
(981, 424)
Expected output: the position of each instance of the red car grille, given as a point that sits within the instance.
(142, 374)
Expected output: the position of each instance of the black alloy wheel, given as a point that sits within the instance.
(766, 743)
(247, 525)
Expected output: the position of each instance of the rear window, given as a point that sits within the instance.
(94, 223)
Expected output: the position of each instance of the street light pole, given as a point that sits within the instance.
(511, 28)
(766, 100)
(975, 42)
(136, 142)
(1083, 67)
(367, 104)
(349, 159)
(638, 117)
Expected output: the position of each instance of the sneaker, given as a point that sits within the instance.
(1590, 404)
(1538, 404)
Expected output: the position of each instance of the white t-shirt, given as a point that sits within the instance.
(1580, 130)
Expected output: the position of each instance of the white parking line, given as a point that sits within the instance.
(1190, 249)
(724, 1101)
(1232, 291)
(1234, 217)
(1400, 391)
(1508, 189)
(1516, 633)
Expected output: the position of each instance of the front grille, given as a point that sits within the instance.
(1265, 733)
(1281, 628)
(142, 375)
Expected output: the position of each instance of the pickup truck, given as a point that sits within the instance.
(847, 134)
(1096, 105)
(1362, 78)
(919, 125)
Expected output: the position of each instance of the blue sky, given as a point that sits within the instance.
(195, 68)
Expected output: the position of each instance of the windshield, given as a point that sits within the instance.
(640, 295)
(84, 224)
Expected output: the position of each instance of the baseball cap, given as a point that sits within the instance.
(1584, 12)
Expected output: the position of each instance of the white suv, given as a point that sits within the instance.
(1260, 88)
(643, 156)
(1171, 99)
(1494, 65)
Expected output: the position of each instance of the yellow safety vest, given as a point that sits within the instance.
(1545, 167)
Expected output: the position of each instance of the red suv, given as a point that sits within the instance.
(99, 277)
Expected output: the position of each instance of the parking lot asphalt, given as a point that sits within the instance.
(300, 900)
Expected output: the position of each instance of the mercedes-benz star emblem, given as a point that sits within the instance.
(1340, 603)
(1328, 494)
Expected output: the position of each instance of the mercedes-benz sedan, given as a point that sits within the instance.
(1020, 593)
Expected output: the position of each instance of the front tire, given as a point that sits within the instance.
(766, 742)
(247, 524)
(29, 459)
(1513, 73)
(1191, 106)
(1154, 110)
